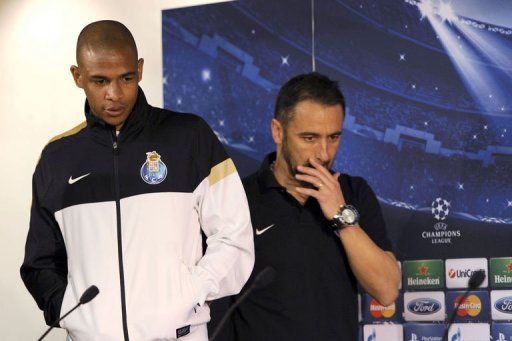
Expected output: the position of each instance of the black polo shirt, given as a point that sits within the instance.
(314, 296)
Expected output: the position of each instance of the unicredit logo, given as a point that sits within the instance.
(424, 306)
(466, 273)
(504, 305)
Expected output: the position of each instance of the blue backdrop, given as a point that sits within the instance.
(429, 111)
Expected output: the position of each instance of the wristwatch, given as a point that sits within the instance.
(347, 215)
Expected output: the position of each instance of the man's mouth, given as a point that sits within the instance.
(115, 110)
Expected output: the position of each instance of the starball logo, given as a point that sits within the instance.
(440, 208)
(441, 234)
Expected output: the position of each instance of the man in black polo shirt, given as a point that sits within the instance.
(322, 231)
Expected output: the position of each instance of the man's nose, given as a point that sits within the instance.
(114, 91)
(321, 152)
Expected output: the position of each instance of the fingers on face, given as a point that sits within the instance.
(320, 173)
(310, 179)
(307, 191)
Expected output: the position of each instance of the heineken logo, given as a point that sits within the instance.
(423, 281)
(501, 272)
(423, 274)
(502, 279)
(423, 269)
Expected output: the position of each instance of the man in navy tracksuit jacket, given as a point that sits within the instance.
(120, 202)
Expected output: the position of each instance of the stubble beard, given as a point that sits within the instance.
(292, 169)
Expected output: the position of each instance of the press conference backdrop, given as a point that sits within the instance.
(428, 124)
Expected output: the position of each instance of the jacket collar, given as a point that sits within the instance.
(266, 177)
(133, 124)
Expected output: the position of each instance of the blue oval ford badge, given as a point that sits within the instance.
(504, 305)
(424, 306)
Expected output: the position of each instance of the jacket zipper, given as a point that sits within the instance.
(119, 234)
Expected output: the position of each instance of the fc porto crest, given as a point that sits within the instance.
(153, 171)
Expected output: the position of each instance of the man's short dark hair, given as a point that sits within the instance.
(105, 35)
(310, 86)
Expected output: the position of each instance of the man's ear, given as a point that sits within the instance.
(140, 66)
(277, 130)
(75, 72)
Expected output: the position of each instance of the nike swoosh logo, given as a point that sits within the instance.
(72, 181)
(258, 232)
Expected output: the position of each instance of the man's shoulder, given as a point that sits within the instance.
(355, 187)
(174, 118)
(355, 182)
(173, 122)
(251, 184)
(63, 140)
(250, 180)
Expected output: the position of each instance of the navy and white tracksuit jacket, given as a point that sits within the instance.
(125, 212)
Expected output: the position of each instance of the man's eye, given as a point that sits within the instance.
(128, 78)
(99, 81)
(335, 138)
(308, 138)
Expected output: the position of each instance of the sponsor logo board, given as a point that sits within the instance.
(383, 332)
(475, 307)
(373, 311)
(423, 274)
(424, 331)
(424, 306)
(469, 332)
(501, 305)
(500, 272)
(501, 331)
(458, 271)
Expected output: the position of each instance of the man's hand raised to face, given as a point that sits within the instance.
(328, 191)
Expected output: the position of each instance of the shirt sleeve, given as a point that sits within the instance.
(371, 219)
(225, 220)
(44, 269)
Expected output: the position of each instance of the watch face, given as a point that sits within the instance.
(348, 216)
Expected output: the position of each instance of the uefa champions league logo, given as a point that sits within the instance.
(440, 208)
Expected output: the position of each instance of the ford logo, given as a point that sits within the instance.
(504, 305)
(424, 306)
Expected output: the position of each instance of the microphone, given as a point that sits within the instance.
(89, 294)
(264, 278)
(475, 280)
(86, 297)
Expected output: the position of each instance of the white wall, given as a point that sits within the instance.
(39, 100)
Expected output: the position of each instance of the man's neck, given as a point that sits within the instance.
(287, 180)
